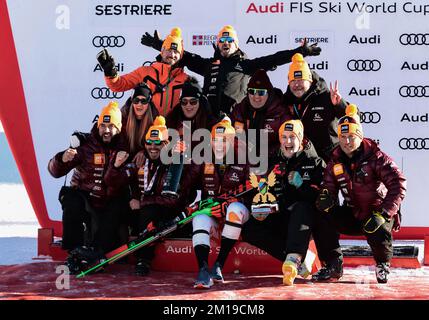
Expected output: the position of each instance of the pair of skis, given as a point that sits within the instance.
(202, 207)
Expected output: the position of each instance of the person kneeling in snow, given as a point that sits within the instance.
(373, 188)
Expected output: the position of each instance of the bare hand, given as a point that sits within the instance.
(139, 159)
(180, 147)
(335, 93)
(134, 204)
(121, 157)
(69, 155)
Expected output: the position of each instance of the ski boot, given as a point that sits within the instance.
(86, 257)
(290, 268)
(74, 264)
(382, 272)
(216, 273)
(142, 268)
(333, 270)
(204, 280)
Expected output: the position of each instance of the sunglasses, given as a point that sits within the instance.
(192, 102)
(226, 39)
(142, 101)
(259, 92)
(155, 142)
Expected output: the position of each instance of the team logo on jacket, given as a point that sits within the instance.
(306, 176)
(238, 126)
(264, 202)
(209, 168)
(99, 159)
(317, 117)
(234, 177)
(338, 169)
(268, 128)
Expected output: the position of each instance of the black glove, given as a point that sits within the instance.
(152, 41)
(324, 201)
(374, 222)
(107, 63)
(312, 50)
(78, 138)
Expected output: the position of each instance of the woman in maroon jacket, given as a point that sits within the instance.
(91, 198)
(152, 209)
(261, 109)
(373, 188)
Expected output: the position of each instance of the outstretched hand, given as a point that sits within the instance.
(310, 50)
(335, 93)
(107, 63)
(152, 41)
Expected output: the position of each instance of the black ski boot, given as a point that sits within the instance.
(333, 270)
(142, 268)
(74, 264)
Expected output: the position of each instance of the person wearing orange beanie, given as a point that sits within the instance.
(164, 77)
(93, 204)
(373, 188)
(298, 172)
(309, 99)
(227, 73)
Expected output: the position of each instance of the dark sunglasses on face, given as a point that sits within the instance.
(259, 92)
(192, 102)
(155, 142)
(226, 39)
(142, 101)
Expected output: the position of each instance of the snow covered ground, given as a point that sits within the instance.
(18, 226)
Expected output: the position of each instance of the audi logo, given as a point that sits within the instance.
(363, 65)
(414, 143)
(108, 41)
(414, 91)
(105, 93)
(370, 117)
(414, 39)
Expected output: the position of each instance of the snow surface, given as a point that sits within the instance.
(18, 226)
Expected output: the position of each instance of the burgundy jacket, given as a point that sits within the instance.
(129, 174)
(270, 117)
(369, 181)
(92, 161)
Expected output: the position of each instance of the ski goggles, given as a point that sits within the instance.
(192, 102)
(142, 101)
(155, 142)
(226, 39)
(257, 92)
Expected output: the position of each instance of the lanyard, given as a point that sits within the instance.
(147, 188)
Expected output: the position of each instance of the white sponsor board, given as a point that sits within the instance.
(377, 50)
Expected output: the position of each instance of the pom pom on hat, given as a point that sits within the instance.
(350, 123)
(299, 69)
(158, 130)
(174, 41)
(111, 114)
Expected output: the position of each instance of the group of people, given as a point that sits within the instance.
(311, 138)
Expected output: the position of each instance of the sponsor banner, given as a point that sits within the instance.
(375, 50)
